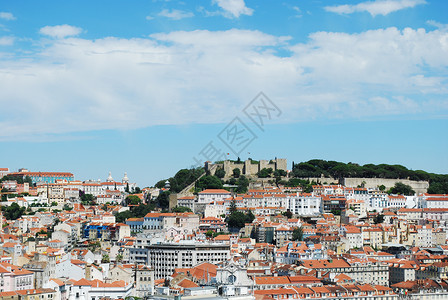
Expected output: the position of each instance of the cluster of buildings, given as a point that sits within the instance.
(335, 242)
(46, 188)
(355, 202)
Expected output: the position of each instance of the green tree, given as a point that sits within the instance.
(236, 173)
(243, 184)
(209, 233)
(121, 217)
(133, 200)
(67, 207)
(297, 234)
(287, 214)
(265, 173)
(105, 259)
(184, 178)
(87, 199)
(209, 182)
(279, 173)
(336, 212)
(4, 196)
(232, 207)
(378, 219)
(143, 209)
(28, 180)
(402, 189)
(249, 217)
(438, 186)
(220, 173)
(238, 219)
(163, 200)
(160, 184)
(119, 257)
(13, 212)
(382, 187)
(181, 209)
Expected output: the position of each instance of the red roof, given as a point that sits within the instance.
(214, 191)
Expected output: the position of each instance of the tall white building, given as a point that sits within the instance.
(304, 204)
(164, 258)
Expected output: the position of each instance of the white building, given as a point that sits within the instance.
(84, 289)
(424, 236)
(352, 237)
(187, 201)
(209, 195)
(378, 200)
(433, 201)
(304, 204)
(164, 258)
(398, 201)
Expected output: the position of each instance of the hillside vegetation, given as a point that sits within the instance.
(438, 184)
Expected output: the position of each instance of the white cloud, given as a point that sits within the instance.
(378, 7)
(298, 11)
(7, 16)
(202, 76)
(234, 8)
(175, 14)
(60, 31)
(6, 41)
(437, 25)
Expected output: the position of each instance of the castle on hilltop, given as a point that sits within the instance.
(249, 167)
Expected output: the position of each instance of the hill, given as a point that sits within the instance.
(438, 183)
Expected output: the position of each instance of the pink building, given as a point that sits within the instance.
(15, 278)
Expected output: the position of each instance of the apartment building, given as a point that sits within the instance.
(164, 258)
(304, 204)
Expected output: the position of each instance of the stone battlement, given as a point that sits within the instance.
(248, 167)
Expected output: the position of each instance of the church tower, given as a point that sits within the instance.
(125, 178)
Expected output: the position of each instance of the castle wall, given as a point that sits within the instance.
(229, 166)
(418, 186)
(249, 169)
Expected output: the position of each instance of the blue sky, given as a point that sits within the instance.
(143, 86)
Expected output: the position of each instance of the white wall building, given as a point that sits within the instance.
(209, 195)
(304, 204)
(398, 201)
(433, 201)
(164, 258)
(96, 289)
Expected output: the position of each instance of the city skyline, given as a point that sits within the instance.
(93, 88)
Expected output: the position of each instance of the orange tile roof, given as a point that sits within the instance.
(214, 191)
